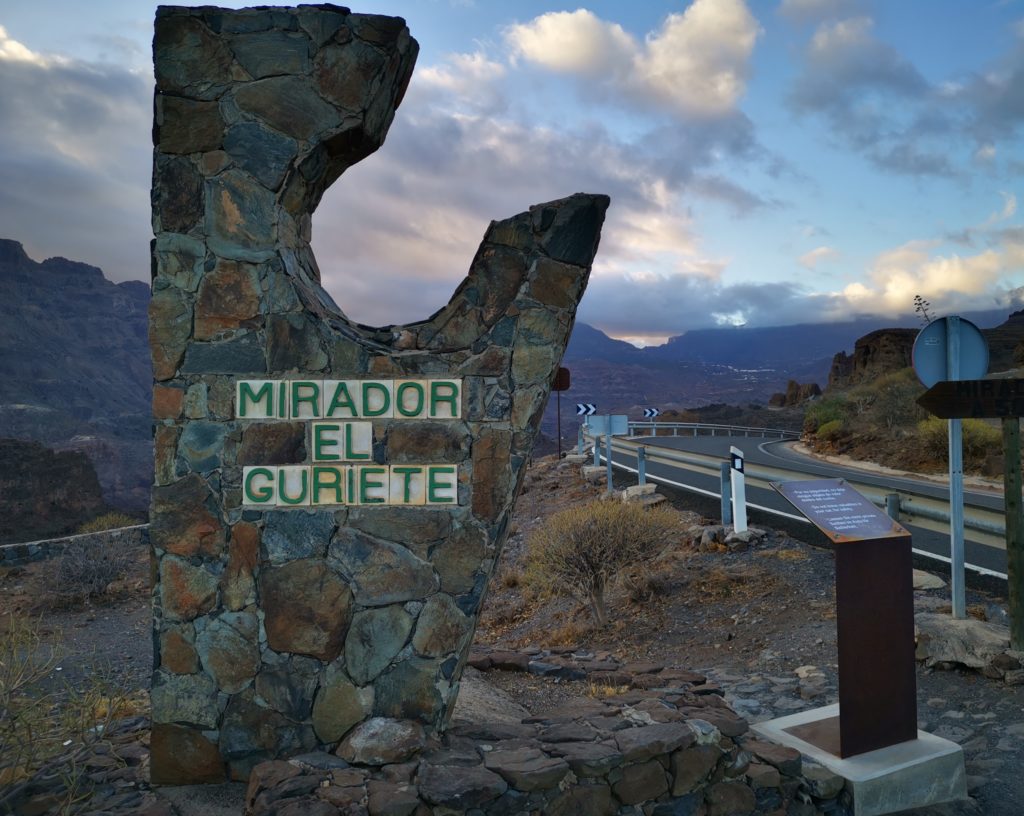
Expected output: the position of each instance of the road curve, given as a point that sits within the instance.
(981, 558)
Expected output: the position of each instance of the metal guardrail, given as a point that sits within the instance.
(704, 429)
(981, 524)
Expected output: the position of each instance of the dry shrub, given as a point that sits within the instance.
(583, 550)
(46, 731)
(108, 521)
(86, 569)
(571, 633)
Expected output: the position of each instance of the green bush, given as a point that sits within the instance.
(979, 438)
(831, 431)
(583, 550)
(825, 410)
(108, 521)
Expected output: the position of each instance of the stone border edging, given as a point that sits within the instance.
(670, 746)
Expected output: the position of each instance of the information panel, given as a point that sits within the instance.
(839, 511)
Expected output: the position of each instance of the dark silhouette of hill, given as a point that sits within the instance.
(74, 370)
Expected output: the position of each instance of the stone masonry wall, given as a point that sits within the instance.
(277, 631)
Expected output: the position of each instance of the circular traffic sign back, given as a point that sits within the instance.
(930, 359)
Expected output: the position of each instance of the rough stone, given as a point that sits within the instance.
(381, 572)
(240, 219)
(187, 699)
(240, 355)
(177, 652)
(261, 152)
(183, 756)
(639, 744)
(307, 608)
(459, 788)
(288, 685)
(970, 642)
(187, 125)
(252, 733)
(441, 627)
(181, 520)
(382, 741)
(228, 299)
(265, 53)
(417, 442)
(201, 445)
(692, 766)
(339, 705)
(186, 591)
(273, 443)
(786, 759)
(180, 203)
(228, 650)
(375, 637)
(288, 104)
(527, 769)
(237, 583)
(641, 782)
(729, 799)
(293, 534)
(408, 690)
(588, 758)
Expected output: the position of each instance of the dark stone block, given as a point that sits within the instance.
(574, 230)
(265, 53)
(179, 200)
(261, 152)
(240, 355)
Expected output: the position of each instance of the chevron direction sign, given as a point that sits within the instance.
(651, 413)
(585, 409)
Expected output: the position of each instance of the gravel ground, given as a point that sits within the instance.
(760, 622)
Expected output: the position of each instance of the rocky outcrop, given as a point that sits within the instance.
(75, 370)
(44, 493)
(796, 393)
(875, 354)
(344, 610)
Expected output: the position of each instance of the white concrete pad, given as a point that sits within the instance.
(925, 771)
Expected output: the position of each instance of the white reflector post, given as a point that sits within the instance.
(739, 491)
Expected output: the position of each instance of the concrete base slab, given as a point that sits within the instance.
(912, 774)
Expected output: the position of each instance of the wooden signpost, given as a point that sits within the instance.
(995, 399)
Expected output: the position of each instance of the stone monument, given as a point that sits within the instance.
(330, 499)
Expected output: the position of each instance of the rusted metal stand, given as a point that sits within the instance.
(875, 621)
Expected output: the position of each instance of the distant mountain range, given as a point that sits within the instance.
(74, 367)
(75, 371)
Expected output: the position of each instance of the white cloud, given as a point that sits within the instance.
(818, 255)
(695, 65)
(13, 51)
(950, 282)
(75, 157)
(573, 42)
(462, 74)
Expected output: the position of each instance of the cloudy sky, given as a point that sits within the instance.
(768, 162)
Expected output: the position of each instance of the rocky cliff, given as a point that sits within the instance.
(887, 350)
(75, 370)
(44, 493)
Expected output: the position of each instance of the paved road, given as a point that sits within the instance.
(780, 454)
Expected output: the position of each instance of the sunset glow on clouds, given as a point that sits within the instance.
(767, 163)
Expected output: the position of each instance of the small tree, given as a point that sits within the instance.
(581, 551)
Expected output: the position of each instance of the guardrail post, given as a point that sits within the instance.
(597, 451)
(641, 465)
(608, 460)
(892, 505)
(579, 441)
(1014, 529)
(726, 492)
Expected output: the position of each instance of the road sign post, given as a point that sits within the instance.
(948, 349)
(562, 382)
(641, 465)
